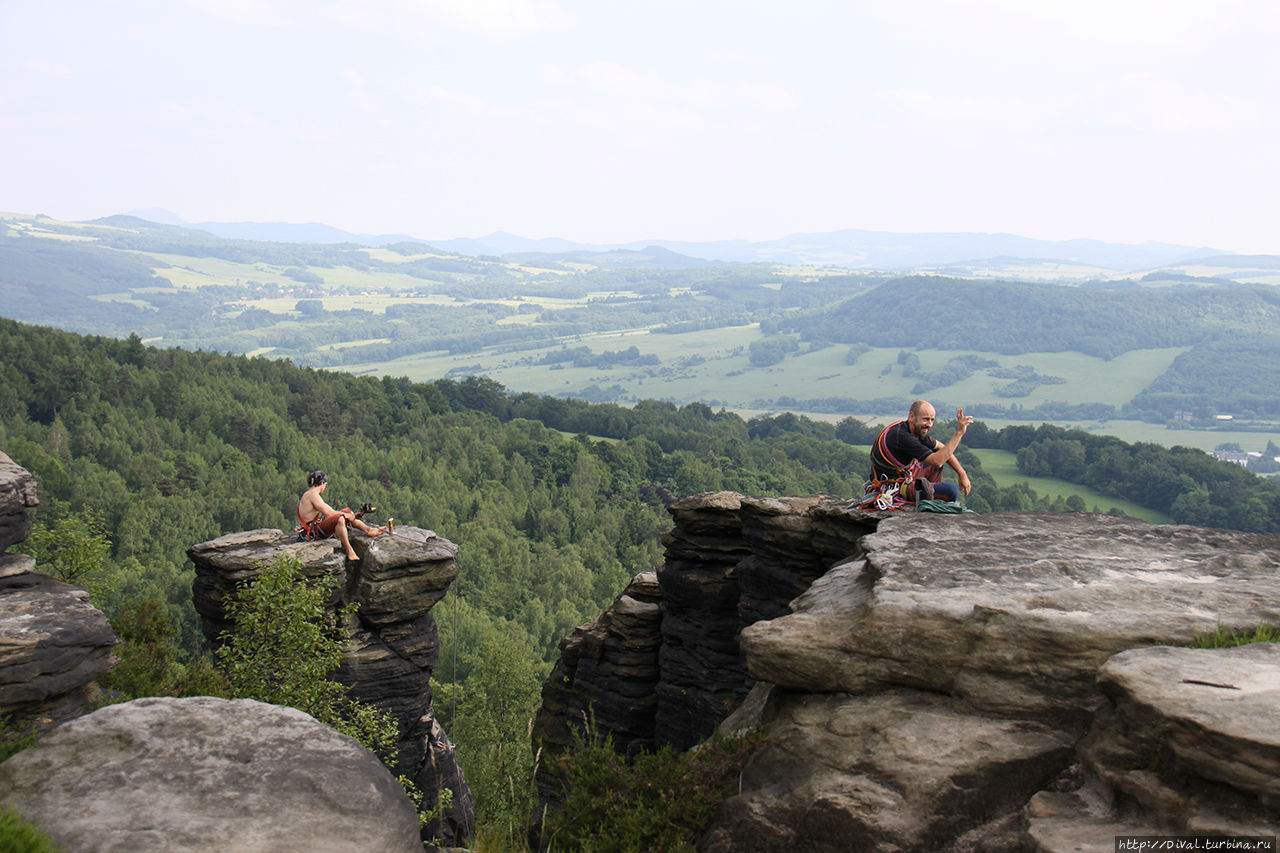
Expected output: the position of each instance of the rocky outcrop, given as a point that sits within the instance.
(53, 645)
(730, 562)
(17, 493)
(1014, 612)
(662, 665)
(1188, 743)
(392, 638)
(53, 642)
(207, 774)
(607, 669)
(900, 770)
(933, 682)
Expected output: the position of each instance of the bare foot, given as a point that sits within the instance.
(378, 531)
(351, 555)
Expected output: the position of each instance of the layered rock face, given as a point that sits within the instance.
(730, 562)
(53, 642)
(17, 494)
(934, 682)
(1188, 742)
(208, 774)
(662, 664)
(608, 668)
(392, 645)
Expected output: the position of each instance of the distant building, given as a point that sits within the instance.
(1223, 417)
(1241, 459)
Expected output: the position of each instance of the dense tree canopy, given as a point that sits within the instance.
(1022, 317)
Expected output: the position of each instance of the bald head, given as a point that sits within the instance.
(920, 418)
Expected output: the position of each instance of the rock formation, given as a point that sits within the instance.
(933, 681)
(1189, 742)
(392, 638)
(17, 493)
(208, 774)
(53, 642)
(609, 666)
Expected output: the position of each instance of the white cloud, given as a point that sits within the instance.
(503, 17)
(47, 68)
(465, 102)
(261, 13)
(427, 18)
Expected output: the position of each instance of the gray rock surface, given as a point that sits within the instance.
(1189, 744)
(892, 771)
(53, 643)
(1215, 711)
(17, 493)
(933, 684)
(393, 640)
(207, 774)
(1015, 612)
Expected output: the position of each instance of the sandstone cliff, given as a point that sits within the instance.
(392, 639)
(53, 642)
(944, 682)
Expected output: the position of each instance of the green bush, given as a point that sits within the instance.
(20, 836)
(660, 800)
(149, 662)
(495, 710)
(15, 736)
(281, 647)
(74, 549)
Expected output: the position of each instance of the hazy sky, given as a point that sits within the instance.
(603, 121)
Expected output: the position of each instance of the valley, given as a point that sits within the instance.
(1159, 355)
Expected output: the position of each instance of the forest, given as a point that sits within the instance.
(1022, 317)
(556, 503)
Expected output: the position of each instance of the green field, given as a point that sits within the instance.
(1135, 431)
(1003, 467)
(723, 375)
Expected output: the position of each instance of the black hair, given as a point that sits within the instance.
(316, 478)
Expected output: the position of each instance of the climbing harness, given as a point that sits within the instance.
(882, 495)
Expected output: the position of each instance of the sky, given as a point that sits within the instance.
(607, 122)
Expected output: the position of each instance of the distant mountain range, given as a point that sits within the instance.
(848, 248)
(273, 232)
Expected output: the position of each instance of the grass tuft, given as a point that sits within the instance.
(1223, 638)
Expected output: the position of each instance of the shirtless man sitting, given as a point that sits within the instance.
(318, 520)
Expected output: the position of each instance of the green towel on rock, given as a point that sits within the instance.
(935, 505)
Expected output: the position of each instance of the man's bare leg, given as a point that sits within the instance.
(366, 529)
(340, 530)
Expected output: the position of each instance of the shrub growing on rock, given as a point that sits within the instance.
(283, 644)
(660, 800)
(21, 836)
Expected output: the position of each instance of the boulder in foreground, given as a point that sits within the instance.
(206, 774)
